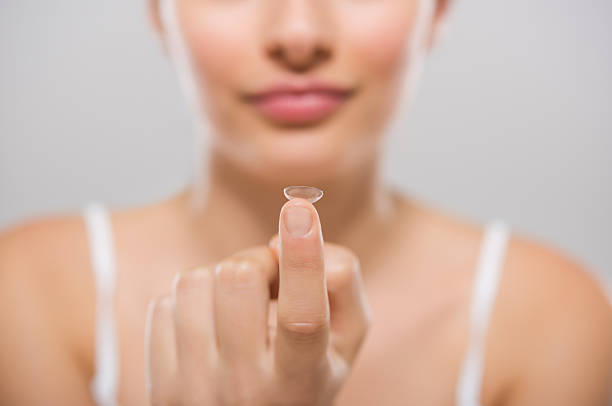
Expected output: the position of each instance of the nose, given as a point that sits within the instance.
(299, 33)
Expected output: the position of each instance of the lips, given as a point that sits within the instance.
(299, 104)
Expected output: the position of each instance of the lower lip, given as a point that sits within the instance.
(299, 108)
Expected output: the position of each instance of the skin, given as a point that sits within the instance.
(403, 268)
(299, 353)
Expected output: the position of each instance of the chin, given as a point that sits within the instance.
(300, 159)
(299, 155)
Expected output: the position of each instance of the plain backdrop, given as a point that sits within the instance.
(512, 120)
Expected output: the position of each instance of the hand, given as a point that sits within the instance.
(210, 342)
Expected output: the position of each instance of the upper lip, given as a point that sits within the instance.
(294, 87)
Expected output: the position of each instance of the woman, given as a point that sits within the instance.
(195, 300)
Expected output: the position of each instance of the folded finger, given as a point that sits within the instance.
(241, 310)
(160, 352)
(350, 312)
(194, 323)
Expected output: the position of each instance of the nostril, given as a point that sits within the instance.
(299, 54)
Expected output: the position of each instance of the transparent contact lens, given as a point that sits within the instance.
(312, 194)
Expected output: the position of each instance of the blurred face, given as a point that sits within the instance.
(297, 87)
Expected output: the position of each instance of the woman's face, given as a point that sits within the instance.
(239, 48)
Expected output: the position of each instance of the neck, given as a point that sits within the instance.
(231, 208)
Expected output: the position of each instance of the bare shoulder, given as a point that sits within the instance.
(542, 275)
(536, 275)
(43, 273)
(41, 252)
(46, 311)
(551, 328)
(549, 339)
(46, 270)
(38, 250)
(45, 233)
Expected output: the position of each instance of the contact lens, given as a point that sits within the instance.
(312, 194)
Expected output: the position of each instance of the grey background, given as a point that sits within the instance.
(513, 118)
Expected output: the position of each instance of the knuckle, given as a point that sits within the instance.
(304, 330)
(274, 241)
(190, 281)
(340, 278)
(258, 257)
(342, 273)
(162, 307)
(159, 313)
(301, 263)
(224, 271)
(236, 273)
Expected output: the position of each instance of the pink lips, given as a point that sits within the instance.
(299, 104)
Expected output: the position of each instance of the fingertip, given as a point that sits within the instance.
(161, 307)
(274, 242)
(298, 202)
(299, 220)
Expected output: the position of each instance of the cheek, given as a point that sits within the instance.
(218, 38)
(381, 39)
(215, 46)
(380, 34)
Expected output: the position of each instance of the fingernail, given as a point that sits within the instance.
(298, 220)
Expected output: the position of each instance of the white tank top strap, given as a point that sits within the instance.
(484, 290)
(101, 245)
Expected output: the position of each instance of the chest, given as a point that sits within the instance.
(408, 358)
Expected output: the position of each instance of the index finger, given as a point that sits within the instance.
(303, 307)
